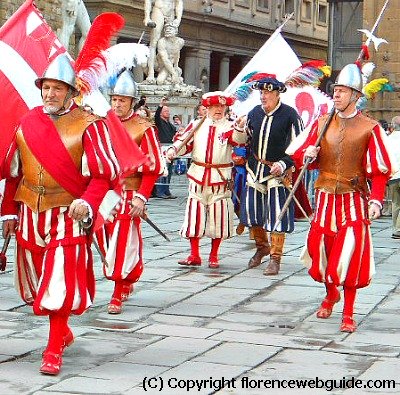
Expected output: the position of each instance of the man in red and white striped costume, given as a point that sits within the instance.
(58, 169)
(209, 209)
(123, 236)
(339, 245)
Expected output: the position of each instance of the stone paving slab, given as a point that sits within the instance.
(238, 354)
(170, 319)
(354, 348)
(197, 310)
(159, 353)
(171, 330)
(271, 340)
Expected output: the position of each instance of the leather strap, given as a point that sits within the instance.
(212, 165)
(41, 189)
(263, 161)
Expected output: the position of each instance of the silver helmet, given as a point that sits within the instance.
(59, 69)
(351, 77)
(125, 86)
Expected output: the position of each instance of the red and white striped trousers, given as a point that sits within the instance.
(53, 262)
(209, 212)
(339, 244)
(122, 243)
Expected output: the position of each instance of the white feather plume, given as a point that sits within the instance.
(123, 55)
(366, 71)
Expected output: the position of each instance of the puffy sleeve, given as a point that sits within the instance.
(99, 163)
(378, 163)
(237, 138)
(180, 137)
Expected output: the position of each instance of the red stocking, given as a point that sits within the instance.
(215, 243)
(349, 299)
(58, 329)
(195, 246)
(332, 292)
(118, 286)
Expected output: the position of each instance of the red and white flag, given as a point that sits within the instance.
(27, 46)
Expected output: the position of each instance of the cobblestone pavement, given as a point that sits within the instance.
(198, 327)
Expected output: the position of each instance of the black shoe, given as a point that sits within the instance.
(171, 197)
(163, 196)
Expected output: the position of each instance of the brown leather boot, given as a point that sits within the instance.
(263, 249)
(277, 242)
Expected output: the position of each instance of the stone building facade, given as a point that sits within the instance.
(221, 36)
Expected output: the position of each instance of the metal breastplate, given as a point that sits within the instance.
(38, 189)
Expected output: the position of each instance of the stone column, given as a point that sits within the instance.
(138, 74)
(191, 71)
(197, 65)
(223, 73)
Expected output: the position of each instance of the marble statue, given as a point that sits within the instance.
(73, 12)
(168, 53)
(156, 16)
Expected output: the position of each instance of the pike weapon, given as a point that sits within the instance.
(325, 127)
(3, 257)
(371, 35)
(146, 218)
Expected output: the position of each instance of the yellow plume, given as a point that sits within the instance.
(374, 86)
(327, 70)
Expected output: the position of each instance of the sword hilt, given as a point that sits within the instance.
(3, 257)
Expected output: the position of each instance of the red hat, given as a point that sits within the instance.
(217, 97)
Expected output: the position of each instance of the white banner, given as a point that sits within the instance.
(277, 57)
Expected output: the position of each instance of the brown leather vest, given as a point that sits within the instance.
(38, 189)
(136, 126)
(343, 150)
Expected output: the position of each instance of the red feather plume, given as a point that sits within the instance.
(260, 76)
(90, 61)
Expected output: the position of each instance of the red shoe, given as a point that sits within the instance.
(115, 306)
(348, 324)
(51, 363)
(191, 260)
(127, 290)
(213, 262)
(68, 339)
(325, 310)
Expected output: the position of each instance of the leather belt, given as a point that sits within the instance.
(263, 161)
(42, 190)
(213, 165)
(355, 182)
